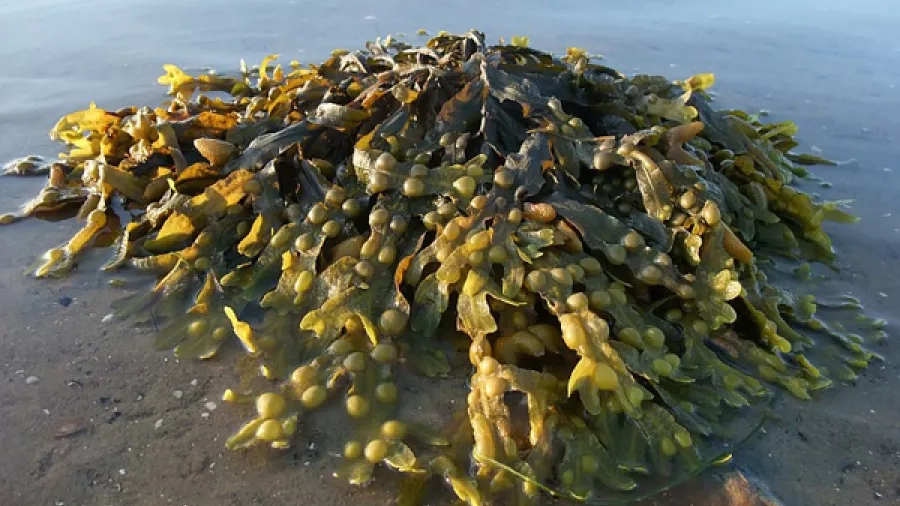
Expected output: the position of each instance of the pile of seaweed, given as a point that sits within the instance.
(605, 250)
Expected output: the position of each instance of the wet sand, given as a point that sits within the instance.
(831, 70)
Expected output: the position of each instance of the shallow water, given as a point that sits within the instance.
(832, 66)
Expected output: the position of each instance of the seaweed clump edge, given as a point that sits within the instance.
(607, 254)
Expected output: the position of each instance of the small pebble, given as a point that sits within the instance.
(158, 424)
(106, 319)
(204, 415)
(31, 380)
(122, 472)
(211, 406)
(178, 394)
(194, 382)
(69, 428)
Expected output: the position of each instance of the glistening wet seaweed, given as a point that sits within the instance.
(604, 248)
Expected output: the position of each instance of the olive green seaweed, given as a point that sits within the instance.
(608, 260)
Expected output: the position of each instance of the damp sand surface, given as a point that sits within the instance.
(91, 415)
